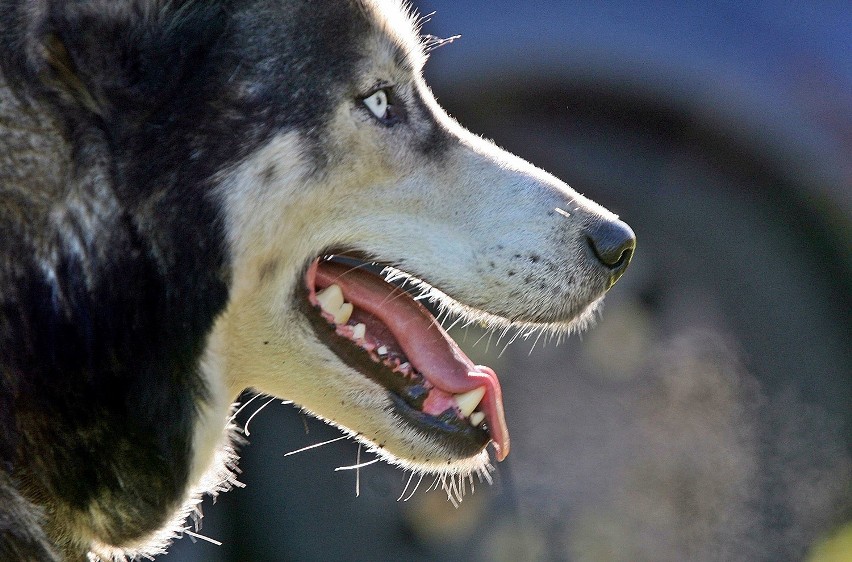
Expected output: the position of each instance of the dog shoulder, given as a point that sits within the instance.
(109, 281)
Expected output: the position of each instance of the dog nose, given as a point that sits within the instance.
(613, 243)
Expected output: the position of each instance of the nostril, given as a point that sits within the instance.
(612, 242)
(615, 260)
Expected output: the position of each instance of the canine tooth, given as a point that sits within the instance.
(477, 418)
(343, 313)
(382, 350)
(468, 401)
(330, 298)
(359, 331)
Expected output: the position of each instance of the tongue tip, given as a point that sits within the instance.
(500, 440)
(492, 405)
(501, 450)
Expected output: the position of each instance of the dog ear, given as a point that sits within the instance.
(124, 57)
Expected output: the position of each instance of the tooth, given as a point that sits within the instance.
(330, 298)
(383, 350)
(468, 401)
(343, 313)
(477, 418)
(359, 331)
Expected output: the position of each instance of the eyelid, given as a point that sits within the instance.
(386, 86)
(393, 105)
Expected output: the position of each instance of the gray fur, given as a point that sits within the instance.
(167, 171)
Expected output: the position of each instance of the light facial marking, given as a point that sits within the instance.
(376, 190)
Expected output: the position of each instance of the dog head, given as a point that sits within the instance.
(384, 176)
(303, 142)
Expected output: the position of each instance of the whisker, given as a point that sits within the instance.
(315, 445)
(242, 407)
(357, 466)
(434, 483)
(452, 491)
(414, 491)
(425, 18)
(394, 295)
(453, 325)
(407, 484)
(485, 473)
(351, 269)
(503, 333)
(256, 412)
(452, 500)
(540, 333)
(199, 536)
(432, 42)
(511, 341)
(480, 339)
(442, 312)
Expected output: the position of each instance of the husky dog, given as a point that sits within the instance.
(193, 197)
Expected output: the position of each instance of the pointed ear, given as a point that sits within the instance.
(124, 57)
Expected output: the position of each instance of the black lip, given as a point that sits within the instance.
(406, 395)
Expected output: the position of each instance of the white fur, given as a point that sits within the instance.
(459, 222)
(485, 234)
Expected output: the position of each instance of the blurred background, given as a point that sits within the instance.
(708, 415)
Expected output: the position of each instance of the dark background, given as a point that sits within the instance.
(708, 414)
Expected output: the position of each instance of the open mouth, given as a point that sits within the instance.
(389, 337)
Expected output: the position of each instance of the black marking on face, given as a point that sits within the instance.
(104, 366)
(290, 67)
(438, 140)
(102, 358)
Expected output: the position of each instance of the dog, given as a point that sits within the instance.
(195, 197)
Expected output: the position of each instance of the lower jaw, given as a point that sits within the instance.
(457, 437)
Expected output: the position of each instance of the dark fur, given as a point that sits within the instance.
(129, 116)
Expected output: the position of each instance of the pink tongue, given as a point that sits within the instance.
(428, 347)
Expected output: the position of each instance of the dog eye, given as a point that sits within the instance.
(380, 104)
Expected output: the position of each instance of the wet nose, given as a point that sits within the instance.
(612, 242)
